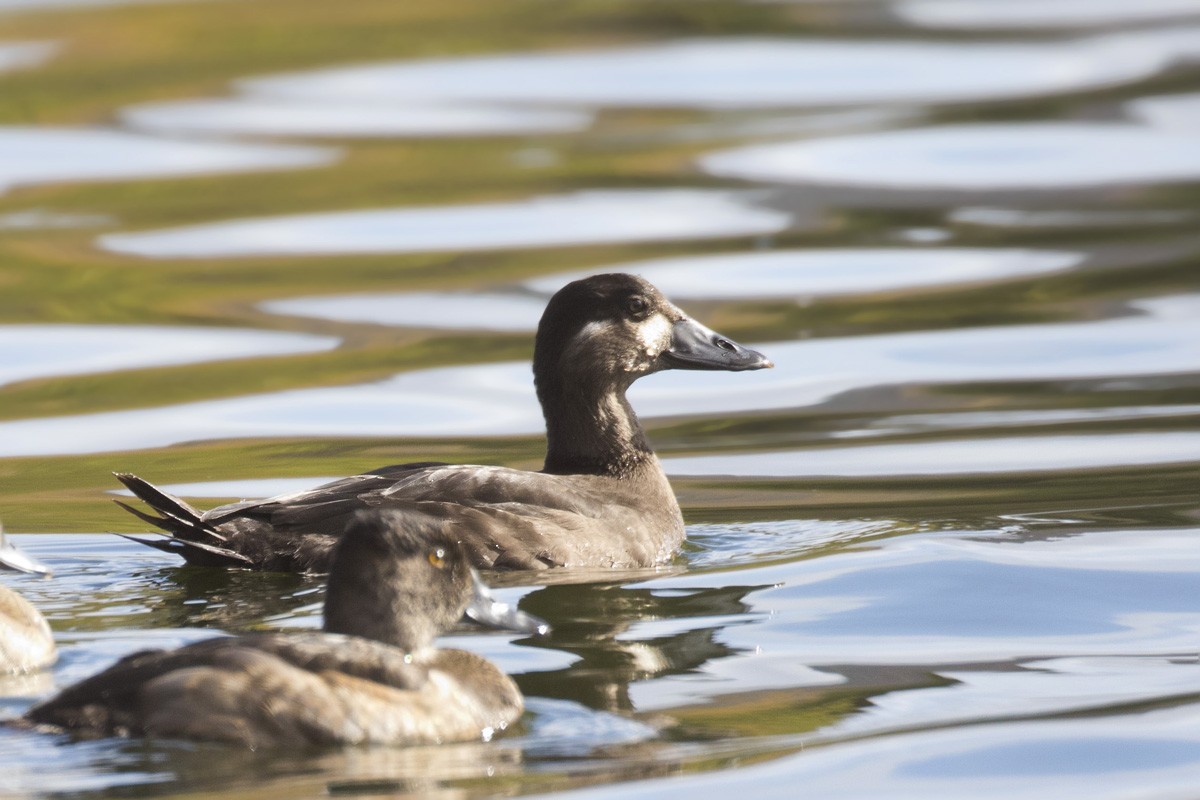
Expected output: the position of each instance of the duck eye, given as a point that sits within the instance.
(437, 558)
(637, 306)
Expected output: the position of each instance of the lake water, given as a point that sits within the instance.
(949, 547)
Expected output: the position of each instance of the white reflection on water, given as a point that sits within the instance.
(38, 351)
(30, 155)
(739, 73)
(810, 273)
(1006, 418)
(499, 399)
(41, 218)
(1038, 13)
(588, 217)
(1035, 155)
(1062, 218)
(303, 117)
(955, 457)
(19, 55)
(492, 311)
(1172, 112)
(777, 275)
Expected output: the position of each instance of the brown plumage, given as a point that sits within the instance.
(372, 676)
(601, 499)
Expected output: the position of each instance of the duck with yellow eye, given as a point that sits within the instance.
(372, 677)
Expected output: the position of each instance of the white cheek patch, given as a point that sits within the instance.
(626, 347)
(655, 334)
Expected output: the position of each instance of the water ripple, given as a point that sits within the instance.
(499, 398)
(590, 217)
(1031, 155)
(739, 73)
(775, 275)
(31, 155)
(38, 351)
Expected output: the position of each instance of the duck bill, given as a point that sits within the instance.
(12, 558)
(485, 609)
(694, 346)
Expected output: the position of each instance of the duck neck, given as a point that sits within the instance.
(593, 431)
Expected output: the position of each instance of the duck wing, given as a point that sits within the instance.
(511, 519)
(292, 533)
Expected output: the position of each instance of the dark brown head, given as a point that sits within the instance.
(615, 328)
(398, 577)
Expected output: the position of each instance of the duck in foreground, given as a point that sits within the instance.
(26, 643)
(601, 499)
(373, 676)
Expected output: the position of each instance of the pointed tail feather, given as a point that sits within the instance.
(187, 533)
(194, 552)
(156, 498)
(177, 517)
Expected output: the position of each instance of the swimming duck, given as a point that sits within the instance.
(372, 677)
(601, 499)
(26, 643)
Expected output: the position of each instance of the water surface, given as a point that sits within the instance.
(300, 117)
(1058, 155)
(739, 73)
(19, 55)
(946, 548)
(36, 351)
(580, 218)
(30, 155)
(1017, 14)
(773, 274)
(499, 398)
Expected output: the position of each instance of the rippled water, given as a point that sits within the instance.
(47, 155)
(947, 548)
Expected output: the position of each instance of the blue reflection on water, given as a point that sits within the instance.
(1084, 756)
(980, 599)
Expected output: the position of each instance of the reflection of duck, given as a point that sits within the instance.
(599, 623)
(602, 498)
(25, 639)
(372, 677)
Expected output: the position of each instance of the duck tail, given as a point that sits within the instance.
(189, 535)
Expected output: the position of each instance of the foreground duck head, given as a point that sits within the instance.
(398, 578)
(596, 337)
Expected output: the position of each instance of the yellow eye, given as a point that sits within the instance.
(437, 558)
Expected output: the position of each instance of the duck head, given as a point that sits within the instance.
(616, 328)
(399, 578)
(597, 336)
